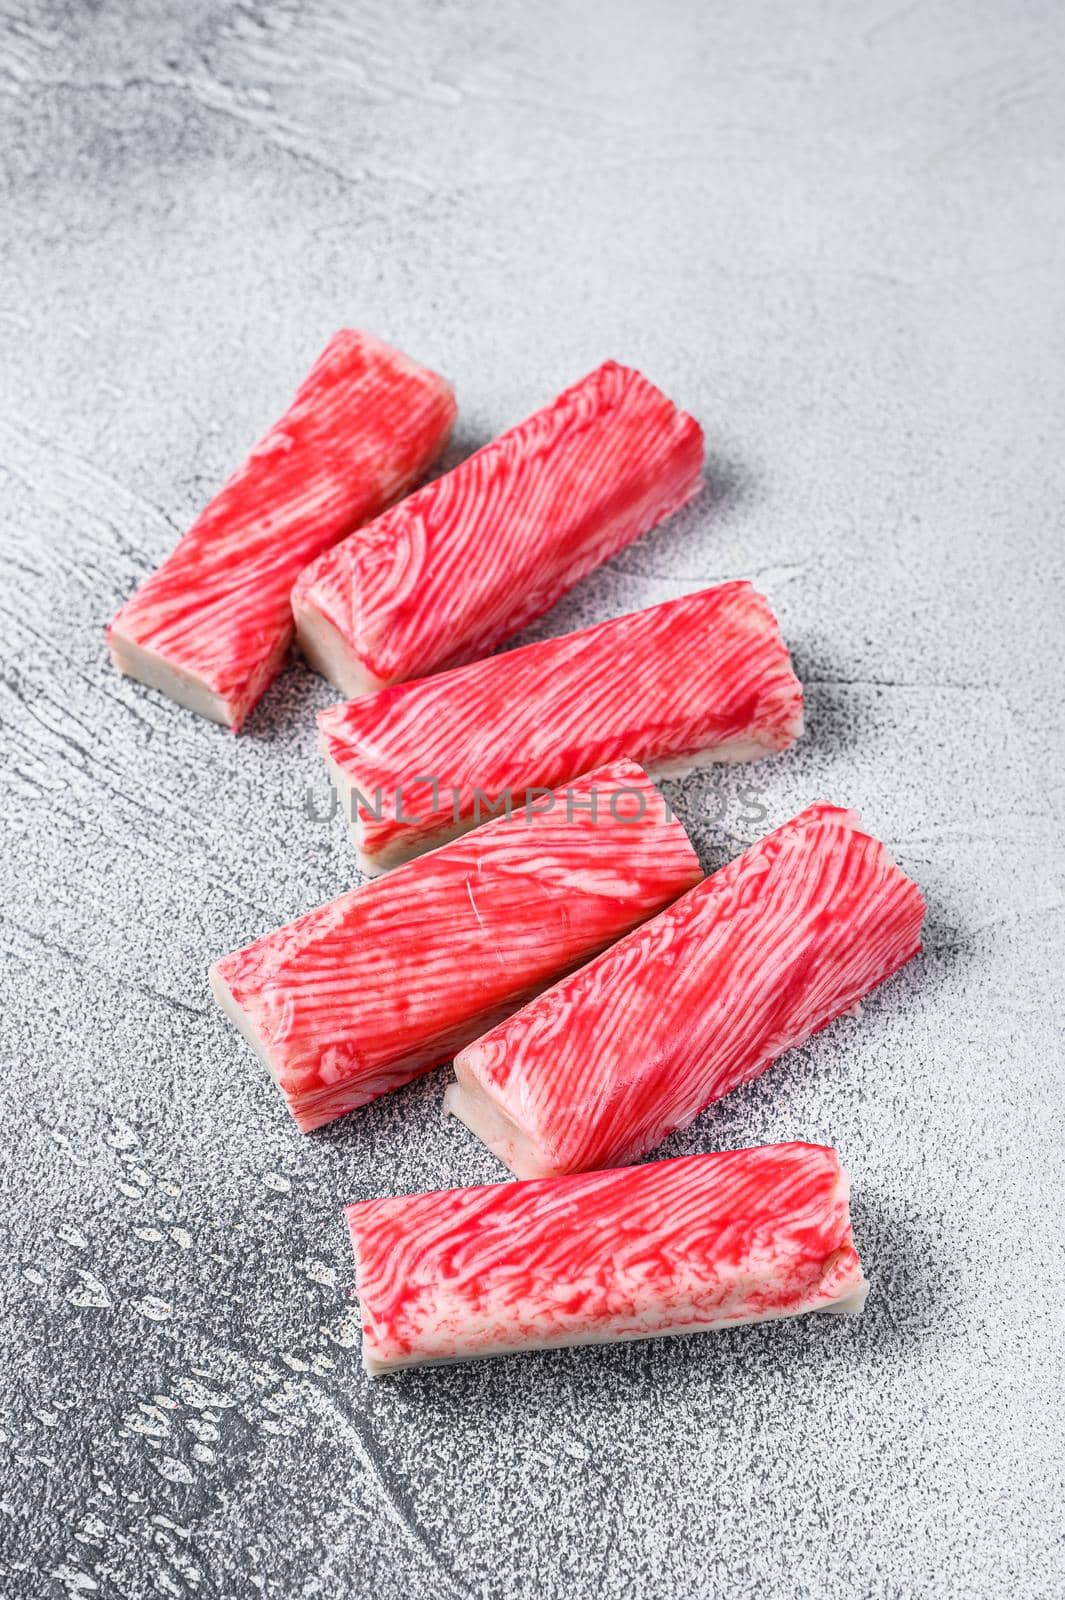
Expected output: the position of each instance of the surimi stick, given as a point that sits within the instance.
(672, 1247)
(473, 557)
(212, 626)
(700, 679)
(367, 992)
(601, 1067)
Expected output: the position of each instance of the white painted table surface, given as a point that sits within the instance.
(835, 234)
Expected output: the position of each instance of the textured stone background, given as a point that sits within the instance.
(835, 233)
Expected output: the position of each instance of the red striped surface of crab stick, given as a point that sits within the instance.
(473, 557)
(367, 992)
(672, 1247)
(601, 1067)
(211, 628)
(700, 679)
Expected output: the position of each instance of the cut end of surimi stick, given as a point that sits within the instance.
(328, 652)
(240, 1019)
(186, 687)
(467, 1102)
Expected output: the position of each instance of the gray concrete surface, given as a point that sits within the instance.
(835, 233)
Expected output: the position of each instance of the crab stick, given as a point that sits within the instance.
(474, 556)
(671, 1247)
(392, 978)
(700, 679)
(211, 628)
(750, 963)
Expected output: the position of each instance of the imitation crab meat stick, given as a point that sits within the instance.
(601, 1067)
(473, 557)
(673, 1247)
(212, 626)
(392, 978)
(704, 678)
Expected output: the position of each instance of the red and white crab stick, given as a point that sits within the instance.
(700, 679)
(601, 1067)
(367, 992)
(470, 559)
(212, 626)
(672, 1247)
